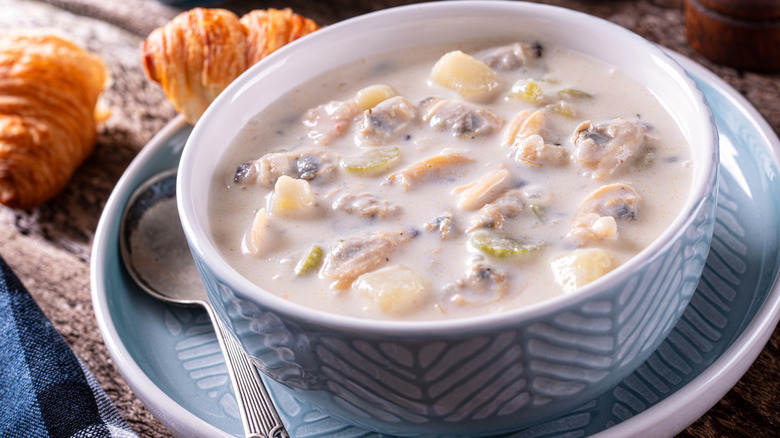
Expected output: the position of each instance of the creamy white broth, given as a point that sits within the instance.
(435, 262)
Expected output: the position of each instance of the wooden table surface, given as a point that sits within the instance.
(49, 247)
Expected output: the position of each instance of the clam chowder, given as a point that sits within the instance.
(447, 183)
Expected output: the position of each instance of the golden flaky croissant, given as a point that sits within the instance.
(49, 91)
(198, 53)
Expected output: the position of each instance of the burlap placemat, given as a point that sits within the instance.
(49, 247)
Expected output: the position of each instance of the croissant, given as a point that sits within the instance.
(198, 53)
(49, 92)
(268, 30)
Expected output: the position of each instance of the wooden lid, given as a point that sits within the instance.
(744, 34)
(751, 10)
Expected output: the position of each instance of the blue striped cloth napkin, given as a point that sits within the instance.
(45, 390)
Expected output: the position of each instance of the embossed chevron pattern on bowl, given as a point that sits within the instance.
(699, 329)
(551, 363)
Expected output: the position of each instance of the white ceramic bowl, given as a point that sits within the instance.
(473, 376)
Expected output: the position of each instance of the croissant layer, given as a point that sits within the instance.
(49, 89)
(268, 30)
(198, 53)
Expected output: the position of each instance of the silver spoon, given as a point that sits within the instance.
(155, 252)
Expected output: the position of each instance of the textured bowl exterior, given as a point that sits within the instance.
(478, 376)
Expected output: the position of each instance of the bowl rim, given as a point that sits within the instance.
(702, 187)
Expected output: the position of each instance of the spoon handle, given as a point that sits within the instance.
(258, 414)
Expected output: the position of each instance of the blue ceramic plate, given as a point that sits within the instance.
(169, 355)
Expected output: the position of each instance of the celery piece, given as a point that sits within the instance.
(310, 261)
(502, 246)
(372, 161)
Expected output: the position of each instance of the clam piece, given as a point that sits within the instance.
(593, 228)
(483, 284)
(305, 164)
(331, 120)
(526, 143)
(485, 189)
(443, 224)
(257, 240)
(265, 170)
(462, 119)
(598, 215)
(349, 258)
(619, 200)
(363, 205)
(493, 214)
(512, 56)
(604, 148)
(435, 166)
(387, 121)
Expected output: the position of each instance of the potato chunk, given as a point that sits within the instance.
(529, 91)
(581, 267)
(291, 197)
(395, 289)
(468, 76)
(372, 95)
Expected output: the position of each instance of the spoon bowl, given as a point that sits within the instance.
(155, 252)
